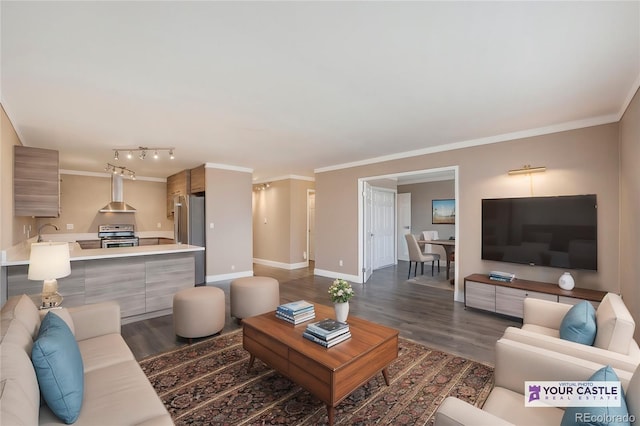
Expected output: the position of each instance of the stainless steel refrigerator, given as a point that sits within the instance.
(189, 228)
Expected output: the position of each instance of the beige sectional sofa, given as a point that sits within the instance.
(613, 345)
(516, 363)
(116, 390)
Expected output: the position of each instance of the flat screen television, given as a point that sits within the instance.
(557, 231)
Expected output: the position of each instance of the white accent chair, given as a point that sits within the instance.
(614, 343)
(516, 363)
(417, 256)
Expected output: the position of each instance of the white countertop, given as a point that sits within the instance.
(71, 237)
(19, 255)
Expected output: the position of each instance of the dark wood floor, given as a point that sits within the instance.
(423, 314)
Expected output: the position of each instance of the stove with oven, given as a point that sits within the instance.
(117, 236)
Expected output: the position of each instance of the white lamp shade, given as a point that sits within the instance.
(49, 260)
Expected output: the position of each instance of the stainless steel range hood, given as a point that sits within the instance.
(117, 204)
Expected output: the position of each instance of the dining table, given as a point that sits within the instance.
(449, 249)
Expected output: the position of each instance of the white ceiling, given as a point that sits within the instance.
(285, 88)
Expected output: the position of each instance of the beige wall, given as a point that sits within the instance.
(384, 183)
(421, 196)
(82, 196)
(578, 162)
(228, 207)
(11, 227)
(630, 208)
(271, 222)
(280, 223)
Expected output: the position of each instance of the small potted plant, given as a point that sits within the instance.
(340, 292)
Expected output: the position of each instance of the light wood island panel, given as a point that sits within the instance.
(143, 285)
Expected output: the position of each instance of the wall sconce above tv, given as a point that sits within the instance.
(559, 232)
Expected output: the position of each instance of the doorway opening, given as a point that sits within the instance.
(369, 211)
(311, 226)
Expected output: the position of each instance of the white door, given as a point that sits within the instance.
(404, 224)
(311, 219)
(383, 228)
(367, 267)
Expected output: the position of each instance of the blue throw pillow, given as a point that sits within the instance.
(59, 369)
(579, 324)
(599, 416)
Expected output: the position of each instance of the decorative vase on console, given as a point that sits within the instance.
(340, 292)
(566, 281)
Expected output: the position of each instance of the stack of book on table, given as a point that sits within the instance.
(327, 332)
(502, 276)
(296, 312)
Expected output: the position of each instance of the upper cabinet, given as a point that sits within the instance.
(177, 184)
(197, 180)
(36, 182)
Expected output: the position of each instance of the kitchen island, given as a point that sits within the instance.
(141, 279)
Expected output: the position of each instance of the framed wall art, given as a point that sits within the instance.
(443, 212)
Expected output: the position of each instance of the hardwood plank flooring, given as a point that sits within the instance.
(424, 314)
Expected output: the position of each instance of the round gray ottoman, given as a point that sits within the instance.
(252, 296)
(198, 312)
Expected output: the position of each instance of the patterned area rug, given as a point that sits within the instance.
(429, 281)
(207, 383)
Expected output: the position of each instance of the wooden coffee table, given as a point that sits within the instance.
(329, 374)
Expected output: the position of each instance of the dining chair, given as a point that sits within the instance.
(429, 236)
(416, 255)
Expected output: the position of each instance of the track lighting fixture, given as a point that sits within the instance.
(262, 186)
(120, 170)
(143, 150)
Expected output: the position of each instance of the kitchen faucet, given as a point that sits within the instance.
(40, 230)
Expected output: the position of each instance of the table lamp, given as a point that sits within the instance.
(47, 262)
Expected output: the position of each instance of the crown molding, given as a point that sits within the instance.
(505, 137)
(228, 167)
(293, 177)
(107, 175)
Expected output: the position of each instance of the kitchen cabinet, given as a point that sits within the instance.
(148, 241)
(198, 180)
(90, 244)
(177, 184)
(36, 182)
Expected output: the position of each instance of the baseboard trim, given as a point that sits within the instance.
(226, 277)
(280, 265)
(332, 274)
(147, 315)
